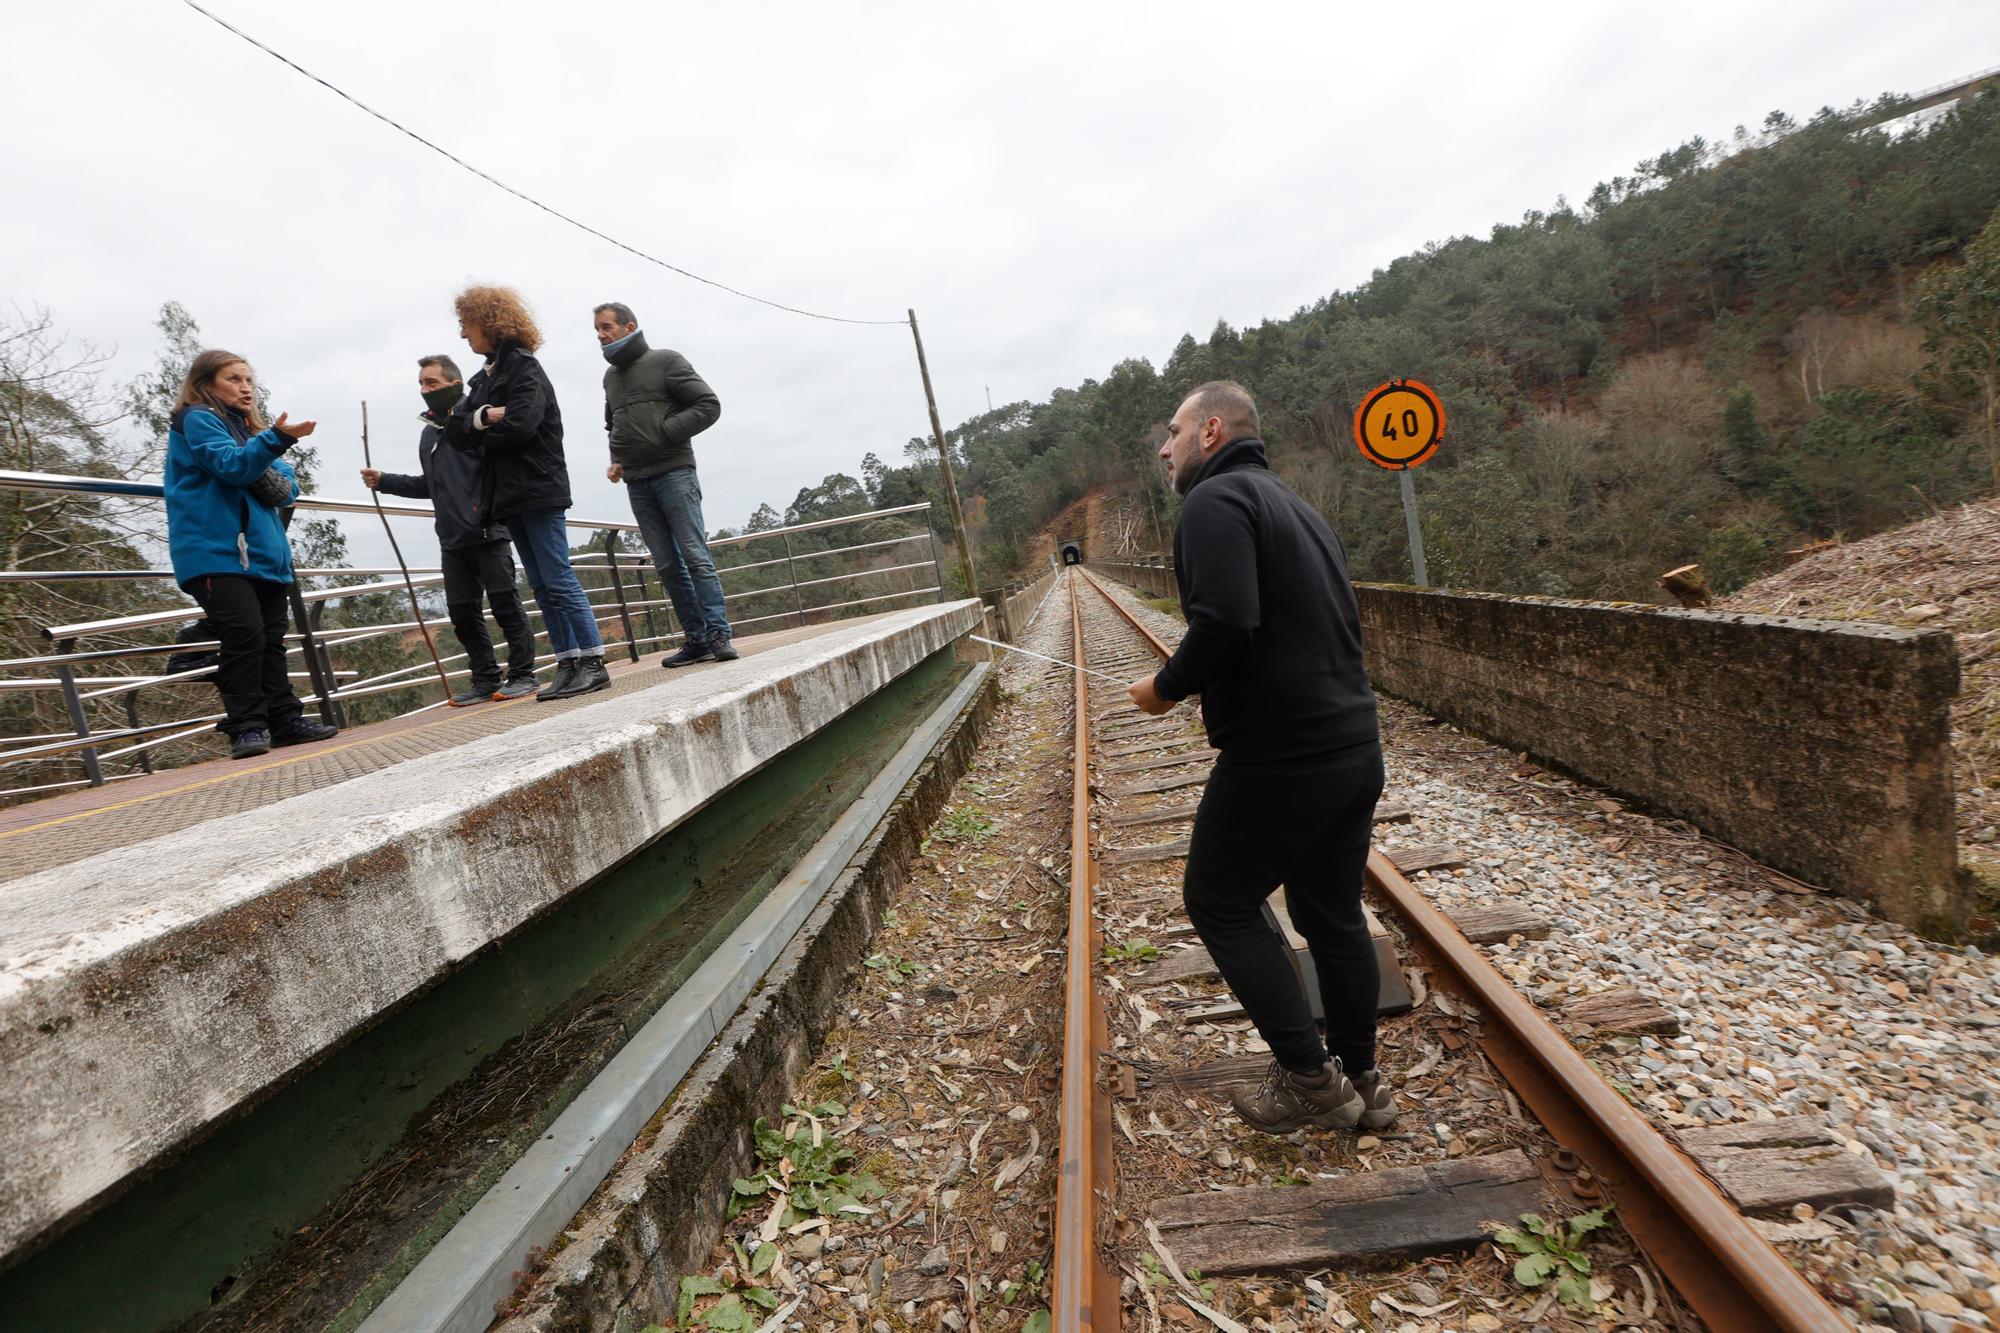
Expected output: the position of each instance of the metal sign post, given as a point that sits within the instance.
(1409, 489)
(1398, 426)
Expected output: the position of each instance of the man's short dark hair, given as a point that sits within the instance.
(619, 311)
(446, 366)
(1232, 403)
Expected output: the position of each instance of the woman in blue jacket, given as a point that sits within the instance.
(226, 480)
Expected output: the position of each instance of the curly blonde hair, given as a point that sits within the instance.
(501, 312)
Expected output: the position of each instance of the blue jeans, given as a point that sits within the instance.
(541, 539)
(668, 508)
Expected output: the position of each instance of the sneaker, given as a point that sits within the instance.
(303, 730)
(517, 688)
(1283, 1103)
(1378, 1106)
(720, 651)
(476, 694)
(565, 677)
(589, 677)
(249, 744)
(689, 654)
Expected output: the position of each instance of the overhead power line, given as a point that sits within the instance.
(524, 198)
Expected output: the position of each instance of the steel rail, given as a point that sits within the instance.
(1083, 1291)
(1153, 641)
(1721, 1265)
(1718, 1263)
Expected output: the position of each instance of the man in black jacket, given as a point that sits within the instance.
(472, 547)
(654, 406)
(1273, 647)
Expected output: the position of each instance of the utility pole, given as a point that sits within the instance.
(989, 398)
(944, 462)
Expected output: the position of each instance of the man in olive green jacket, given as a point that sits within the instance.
(654, 406)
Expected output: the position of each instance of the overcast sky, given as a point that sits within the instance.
(1053, 187)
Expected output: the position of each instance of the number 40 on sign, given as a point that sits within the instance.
(1398, 426)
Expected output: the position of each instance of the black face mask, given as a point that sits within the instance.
(441, 401)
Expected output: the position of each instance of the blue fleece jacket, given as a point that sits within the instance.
(214, 524)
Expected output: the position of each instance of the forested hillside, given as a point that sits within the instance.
(1736, 349)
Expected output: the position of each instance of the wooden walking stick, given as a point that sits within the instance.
(368, 462)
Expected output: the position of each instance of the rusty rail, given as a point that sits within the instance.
(1716, 1260)
(1718, 1263)
(1153, 640)
(1083, 1290)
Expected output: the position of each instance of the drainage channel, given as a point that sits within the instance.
(311, 1208)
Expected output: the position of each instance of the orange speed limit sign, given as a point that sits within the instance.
(1399, 424)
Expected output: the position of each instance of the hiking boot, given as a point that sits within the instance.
(1378, 1107)
(720, 651)
(1286, 1101)
(474, 694)
(249, 744)
(303, 730)
(517, 688)
(589, 679)
(565, 677)
(689, 654)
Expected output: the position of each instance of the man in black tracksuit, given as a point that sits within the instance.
(1273, 647)
(473, 548)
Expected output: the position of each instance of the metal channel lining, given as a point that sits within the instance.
(456, 1286)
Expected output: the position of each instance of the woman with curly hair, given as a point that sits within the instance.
(226, 480)
(510, 418)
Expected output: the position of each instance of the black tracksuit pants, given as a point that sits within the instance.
(1257, 829)
(250, 617)
(487, 569)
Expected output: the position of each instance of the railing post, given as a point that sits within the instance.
(318, 617)
(76, 717)
(618, 586)
(310, 650)
(652, 625)
(132, 717)
(792, 569)
(937, 570)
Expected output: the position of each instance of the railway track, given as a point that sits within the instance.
(1136, 778)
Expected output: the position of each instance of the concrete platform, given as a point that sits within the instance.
(57, 830)
(148, 990)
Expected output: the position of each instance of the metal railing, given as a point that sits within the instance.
(621, 595)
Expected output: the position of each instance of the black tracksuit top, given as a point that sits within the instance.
(1273, 643)
(452, 480)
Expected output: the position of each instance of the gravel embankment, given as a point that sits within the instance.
(1791, 1002)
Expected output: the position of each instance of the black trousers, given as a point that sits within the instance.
(488, 570)
(250, 617)
(1309, 831)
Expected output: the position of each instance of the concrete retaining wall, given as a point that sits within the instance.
(1009, 607)
(150, 992)
(1820, 747)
